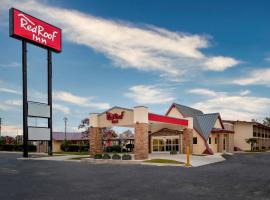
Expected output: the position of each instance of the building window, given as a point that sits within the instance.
(262, 135)
(209, 140)
(254, 134)
(215, 140)
(195, 140)
(259, 135)
(165, 144)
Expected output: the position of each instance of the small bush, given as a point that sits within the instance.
(17, 147)
(98, 156)
(173, 152)
(106, 156)
(116, 157)
(67, 147)
(114, 148)
(126, 157)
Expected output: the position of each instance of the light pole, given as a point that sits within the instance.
(65, 120)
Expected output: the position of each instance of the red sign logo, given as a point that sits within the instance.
(114, 117)
(24, 26)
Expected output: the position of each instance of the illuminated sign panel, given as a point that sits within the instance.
(27, 27)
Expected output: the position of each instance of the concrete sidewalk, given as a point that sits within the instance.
(195, 160)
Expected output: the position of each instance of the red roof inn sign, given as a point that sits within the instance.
(114, 117)
(29, 29)
(24, 26)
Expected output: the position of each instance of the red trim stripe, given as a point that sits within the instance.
(165, 119)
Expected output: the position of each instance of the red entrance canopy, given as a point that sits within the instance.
(166, 119)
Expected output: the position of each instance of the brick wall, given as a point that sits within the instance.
(95, 141)
(141, 149)
(187, 139)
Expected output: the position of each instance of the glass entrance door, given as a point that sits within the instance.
(165, 144)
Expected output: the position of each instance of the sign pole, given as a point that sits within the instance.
(25, 106)
(50, 99)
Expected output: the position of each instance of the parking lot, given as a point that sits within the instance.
(242, 176)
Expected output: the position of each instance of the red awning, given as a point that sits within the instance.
(166, 119)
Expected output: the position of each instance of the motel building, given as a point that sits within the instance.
(180, 127)
(244, 130)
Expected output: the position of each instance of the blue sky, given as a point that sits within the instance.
(211, 55)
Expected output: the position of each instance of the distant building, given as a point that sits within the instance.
(244, 130)
(59, 138)
(73, 138)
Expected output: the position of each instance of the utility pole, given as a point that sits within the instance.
(65, 120)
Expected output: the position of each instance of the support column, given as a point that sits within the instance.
(220, 143)
(187, 139)
(141, 141)
(230, 142)
(95, 142)
(181, 144)
(141, 149)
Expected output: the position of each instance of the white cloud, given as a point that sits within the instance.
(255, 77)
(10, 105)
(61, 108)
(11, 65)
(203, 91)
(78, 100)
(13, 102)
(145, 94)
(235, 107)
(220, 63)
(8, 90)
(142, 47)
(244, 92)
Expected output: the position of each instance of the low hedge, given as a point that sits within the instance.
(98, 156)
(17, 147)
(106, 156)
(114, 148)
(116, 157)
(126, 157)
(74, 147)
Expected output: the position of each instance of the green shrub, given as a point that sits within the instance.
(126, 157)
(130, 146)
(173, 152)
(106, 156)
(116, 157)
(67, 147)
(114, 148)
(98, 156)
(17, 147)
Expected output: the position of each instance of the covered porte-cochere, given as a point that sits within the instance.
(153, 133)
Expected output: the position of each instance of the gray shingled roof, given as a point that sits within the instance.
(187, 111)
(203, 123)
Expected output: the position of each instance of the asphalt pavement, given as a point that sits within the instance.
(242, 176)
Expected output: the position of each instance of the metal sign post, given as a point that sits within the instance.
(50, 99)
(35, 31)
(25, 105)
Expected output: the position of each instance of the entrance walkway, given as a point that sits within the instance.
(194, 159)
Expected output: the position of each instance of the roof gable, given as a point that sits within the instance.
(205, 123)
(187, 111)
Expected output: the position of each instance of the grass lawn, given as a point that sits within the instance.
(72, 153)
(164, 161)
